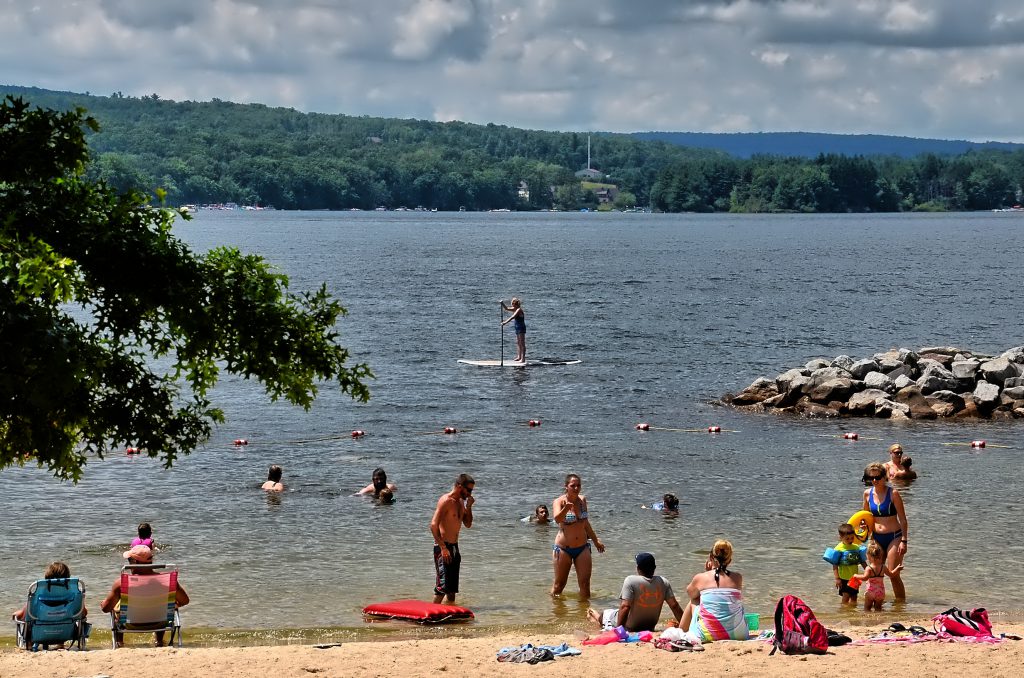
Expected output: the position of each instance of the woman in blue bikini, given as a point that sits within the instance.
(886, 505)
(575, 535)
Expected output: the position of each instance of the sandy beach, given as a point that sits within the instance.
(477, 657)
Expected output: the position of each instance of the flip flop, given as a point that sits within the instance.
(919, 630)
(896, 627)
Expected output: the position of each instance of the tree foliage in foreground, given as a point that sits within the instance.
(94, 291)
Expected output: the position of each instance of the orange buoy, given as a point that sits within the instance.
(534, 422)
(132, 450)
(643, 427)
(358, 434)
(714, 429)
(450, 429)
(978, 444)
(240, 441)
(850, 436)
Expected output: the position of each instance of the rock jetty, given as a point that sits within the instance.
(932, 382)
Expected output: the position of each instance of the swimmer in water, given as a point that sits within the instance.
(574, 539)
(274, 483)
(540, 515)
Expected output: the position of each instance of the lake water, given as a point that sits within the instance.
(667, 312)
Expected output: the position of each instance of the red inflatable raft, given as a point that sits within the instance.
(418, 611)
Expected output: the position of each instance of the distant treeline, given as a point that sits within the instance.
(838, 183)
(251, 154)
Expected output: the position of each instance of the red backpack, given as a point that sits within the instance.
(797, 631)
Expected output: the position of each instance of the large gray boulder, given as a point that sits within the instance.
(912, 397)
(907, 356)
(965, 369)
(1013, 381)
(902, 381)
(1014, 355)
(783, 381)
(879, 381)
(761, 389)
(940, 350)
(864, 402)
(816, 364)
(843, 362)
(954, 399)
(903, 370)
(1015, 392)
(832, 389)
(998, 370)
(862, 368)
(887, 361)
(986, 395)
(935, 377)
(886, 408)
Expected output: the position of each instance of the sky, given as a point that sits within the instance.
(949, 69)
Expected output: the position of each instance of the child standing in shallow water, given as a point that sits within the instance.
(145, 537)
(848, 566)
(874, 574)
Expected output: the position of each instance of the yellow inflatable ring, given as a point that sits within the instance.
(863, 525)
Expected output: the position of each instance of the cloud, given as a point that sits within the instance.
(916, 67)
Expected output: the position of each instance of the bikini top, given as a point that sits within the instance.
(571, 517)
(886, 508)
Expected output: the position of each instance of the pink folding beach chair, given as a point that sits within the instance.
(147, 602)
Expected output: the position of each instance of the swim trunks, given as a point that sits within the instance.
(447, 581)
(844, 587)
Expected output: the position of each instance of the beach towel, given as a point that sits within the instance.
(720, 616)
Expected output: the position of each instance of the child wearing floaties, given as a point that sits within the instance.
(846, 559)
(145, 537)
(874, 574)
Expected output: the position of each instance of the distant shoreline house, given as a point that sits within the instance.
(590, 173)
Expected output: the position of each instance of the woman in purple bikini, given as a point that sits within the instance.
(574, 539)
(886, 505)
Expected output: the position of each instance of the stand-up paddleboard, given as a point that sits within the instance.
(544, 362)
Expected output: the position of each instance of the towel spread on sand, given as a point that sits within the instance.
(720, 616)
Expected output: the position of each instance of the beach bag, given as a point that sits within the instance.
(797, 630)
(957, 622)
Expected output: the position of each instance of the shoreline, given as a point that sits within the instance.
(476, 655)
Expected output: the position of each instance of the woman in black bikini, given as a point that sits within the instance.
(575, 535)
(886, 505)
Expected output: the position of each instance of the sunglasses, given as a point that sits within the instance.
(468, 489)
(871, 479)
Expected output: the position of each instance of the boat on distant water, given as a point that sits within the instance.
(1015, 208)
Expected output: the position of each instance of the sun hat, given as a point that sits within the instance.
(141, 553)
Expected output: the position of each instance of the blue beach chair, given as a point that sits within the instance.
(54, 615)
(147, 602)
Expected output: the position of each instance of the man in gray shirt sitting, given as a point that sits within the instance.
(642, 597)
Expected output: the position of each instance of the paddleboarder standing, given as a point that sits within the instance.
(518, 317)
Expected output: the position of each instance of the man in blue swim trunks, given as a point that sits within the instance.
(454, 510)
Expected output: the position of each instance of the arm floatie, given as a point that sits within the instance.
(832, 556)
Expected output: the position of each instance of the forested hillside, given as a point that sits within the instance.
(813, 144)
(251, 154)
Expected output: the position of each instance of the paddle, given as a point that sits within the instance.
(501, 330)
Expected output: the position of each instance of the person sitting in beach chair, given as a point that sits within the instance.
(55, 612)
(145, 599)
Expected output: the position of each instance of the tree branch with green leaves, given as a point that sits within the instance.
(95, 290)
